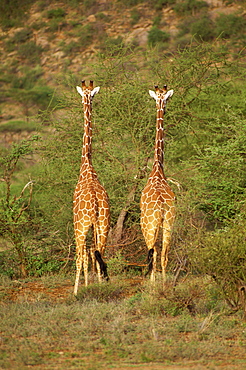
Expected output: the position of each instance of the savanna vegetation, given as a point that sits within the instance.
(199, 318)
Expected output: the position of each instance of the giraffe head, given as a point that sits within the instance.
(161, 95)
(87, 92)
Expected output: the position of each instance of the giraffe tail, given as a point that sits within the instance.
(150, 261)
(102, 264)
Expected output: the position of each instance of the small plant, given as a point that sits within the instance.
(102, 17)
(135, 16)
(56, 13)
(157, 20)
(116, 265)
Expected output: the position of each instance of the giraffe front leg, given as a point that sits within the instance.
(153, 270)
(79, 263)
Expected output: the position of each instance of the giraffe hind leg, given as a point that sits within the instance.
(102, 265)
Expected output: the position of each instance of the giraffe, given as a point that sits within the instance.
(157, 202)
(90, 202)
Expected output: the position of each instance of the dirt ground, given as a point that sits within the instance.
(31, 291)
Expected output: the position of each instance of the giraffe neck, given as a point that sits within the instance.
(159, 139)
(87, 137)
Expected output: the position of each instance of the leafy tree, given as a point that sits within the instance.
(15, 221)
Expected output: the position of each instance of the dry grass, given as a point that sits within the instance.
(122, 324)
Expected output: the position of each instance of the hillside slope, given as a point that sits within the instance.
(54, 39)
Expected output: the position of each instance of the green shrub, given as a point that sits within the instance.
(135, 16)
(17, 126)
(129, 3)
(116, 265)
(222, 255)
(38, 25)
(38, 95)
(22, 36)
(230, 25)
(27, 77)
(189, 7)
(203, 29)
(56, 13)
(19, 38)
(112, 46)
(156, 36)
(56, 24)
(159, 4)
(102, 17)
(13, 12)
(71, 48)
(30, 51)
(157, 20)
(87, 34)
(185, 26)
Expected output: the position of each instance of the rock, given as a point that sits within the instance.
(140, 35)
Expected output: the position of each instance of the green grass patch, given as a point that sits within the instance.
(93, 333)
(19, 126)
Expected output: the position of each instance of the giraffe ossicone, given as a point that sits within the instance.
(157, 202)
(90, 202)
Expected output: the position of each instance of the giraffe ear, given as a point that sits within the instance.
(80, 91)
(95, 90)
(152, 94)
(168, 94)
